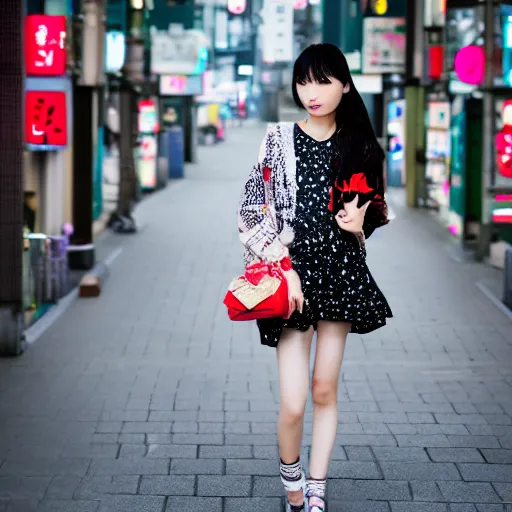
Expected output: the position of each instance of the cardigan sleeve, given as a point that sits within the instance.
(377, 213)
(256, 219)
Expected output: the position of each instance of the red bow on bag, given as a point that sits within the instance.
(262, 292)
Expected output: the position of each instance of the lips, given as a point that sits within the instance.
(315, 107)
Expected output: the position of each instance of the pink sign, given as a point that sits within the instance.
(470, 64)
(237, 6)
(300, 4)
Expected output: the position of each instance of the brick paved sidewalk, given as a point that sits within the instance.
(149, 400)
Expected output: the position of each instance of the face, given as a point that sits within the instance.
(322, 99)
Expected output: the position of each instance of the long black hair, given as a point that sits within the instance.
(357, 148)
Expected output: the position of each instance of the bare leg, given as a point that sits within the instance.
(293, 352)
(330, 348)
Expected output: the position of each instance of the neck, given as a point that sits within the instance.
(323, 126)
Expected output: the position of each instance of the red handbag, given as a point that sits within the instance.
(262, 292)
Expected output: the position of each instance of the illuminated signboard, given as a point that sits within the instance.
(237, 6)
(45, 120)
(470, 64)
(300, 4)
(115, 51)
(45, 45)
(148, 162)
(148, 119)
(181, 85)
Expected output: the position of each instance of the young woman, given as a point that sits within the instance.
(316, 193)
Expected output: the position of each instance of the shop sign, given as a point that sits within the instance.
(277, 31)
(178, 51)
(181, 85)
(115, 51)
(46, 119)
(148, 117)
(384, 45)
(45, 45)
(148, 162)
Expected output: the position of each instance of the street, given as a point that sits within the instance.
(148, 399)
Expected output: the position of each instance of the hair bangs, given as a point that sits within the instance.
(313, 70)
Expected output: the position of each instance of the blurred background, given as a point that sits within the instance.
(114, 99)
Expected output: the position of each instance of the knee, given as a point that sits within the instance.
(324, 392)
(292, 414)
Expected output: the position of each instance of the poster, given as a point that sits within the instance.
(46, 119)
(384, 45)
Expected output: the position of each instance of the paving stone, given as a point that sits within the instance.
(360, 490)
(23, 505)
(252, 439)
(217, 439)
(124, 415)
(400, 454)
(426, 471)
(26, 487)
(197, 467)
(463, 419)
(474, 441)
(397, 506)
(171, 451)
(253, 505)
(228, 485)
(359, 506)
(45, 467)
(132, 438)
(504, 490)
(485, 472)
(167, 485)
(132, 450)
(486, 507)
(423, 441)
(359, 453)
(132, 504)
(63, 487)
(68, 506)
(252, 467)
(267, 486)
(469, 492)
(353, 469)
(266, 452)
(462, 507)
(225, 452)
(497, 456)
(455, 455)
(109, 427)
(420, 417)
(429, 429)
(195, 504)
(367, 440)
(146, 427)
(95, 487)
(426, 491)
(129, 467)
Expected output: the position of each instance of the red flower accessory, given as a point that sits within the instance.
(266, 173)
(357, 184)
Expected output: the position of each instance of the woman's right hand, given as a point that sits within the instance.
(295, 296)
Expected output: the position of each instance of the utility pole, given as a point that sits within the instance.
(122, 220)
(415, 104)
(11, 177)
(488, 126)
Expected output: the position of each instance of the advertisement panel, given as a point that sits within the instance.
(384, 45)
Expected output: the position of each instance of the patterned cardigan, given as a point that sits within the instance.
(267, 206)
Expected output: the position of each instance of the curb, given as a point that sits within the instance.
(35, 331)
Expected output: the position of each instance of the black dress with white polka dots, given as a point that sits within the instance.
(331, 264)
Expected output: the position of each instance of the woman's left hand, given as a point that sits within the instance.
(351, 218)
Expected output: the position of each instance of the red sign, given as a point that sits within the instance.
(46, 118)
(45, 45)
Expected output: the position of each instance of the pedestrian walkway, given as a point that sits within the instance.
(148, 399)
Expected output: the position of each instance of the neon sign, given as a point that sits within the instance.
(45, 45)
(46, 119)
(504, 142)
(470, 64)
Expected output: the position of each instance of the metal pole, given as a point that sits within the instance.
(484, 242)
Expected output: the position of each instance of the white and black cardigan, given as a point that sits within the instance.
(267, 206)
